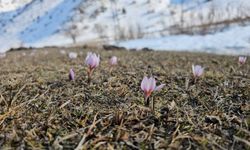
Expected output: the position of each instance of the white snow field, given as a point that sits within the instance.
(9, 5)
(214, 26)
(234, 41)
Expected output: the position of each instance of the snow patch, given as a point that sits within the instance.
(232, 42)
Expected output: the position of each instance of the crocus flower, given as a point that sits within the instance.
(92, 61)
(113, 61)
(71, 74)
(197, 70)
(148, 85)
(2, 55)
(242, 60)
(72, 55)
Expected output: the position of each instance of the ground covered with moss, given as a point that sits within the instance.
(41, 109)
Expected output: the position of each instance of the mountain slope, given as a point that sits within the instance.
(63, 22)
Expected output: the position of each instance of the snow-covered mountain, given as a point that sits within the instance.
(129, 23)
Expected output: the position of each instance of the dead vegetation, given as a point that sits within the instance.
(41, 109)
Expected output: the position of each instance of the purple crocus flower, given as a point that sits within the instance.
(197, 70)
(2, 55)
(148, 85)
(73, 55)
(71, 75)
(113, 61)
(92, 61)
(242, 60)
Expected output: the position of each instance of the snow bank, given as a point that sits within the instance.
(47, 23)
(235, 41)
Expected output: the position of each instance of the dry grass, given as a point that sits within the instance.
(41, 109)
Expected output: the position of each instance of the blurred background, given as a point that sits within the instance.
(216, 26)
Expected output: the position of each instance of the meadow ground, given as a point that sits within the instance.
(41, 109)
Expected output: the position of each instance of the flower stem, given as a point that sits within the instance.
(195, 80)
(153, 105)
(146, 101)
(89, 75)
(110, 70)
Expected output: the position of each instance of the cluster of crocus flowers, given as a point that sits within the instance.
(113, 61)
(242, 60)
(197, 71)
(71, 75)
(148, 85)
(92, 61)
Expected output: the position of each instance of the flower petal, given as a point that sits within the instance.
(152, 84)
(158, 88)
(71, 74)
(144, 84)
(92, 60)
(197, 70)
